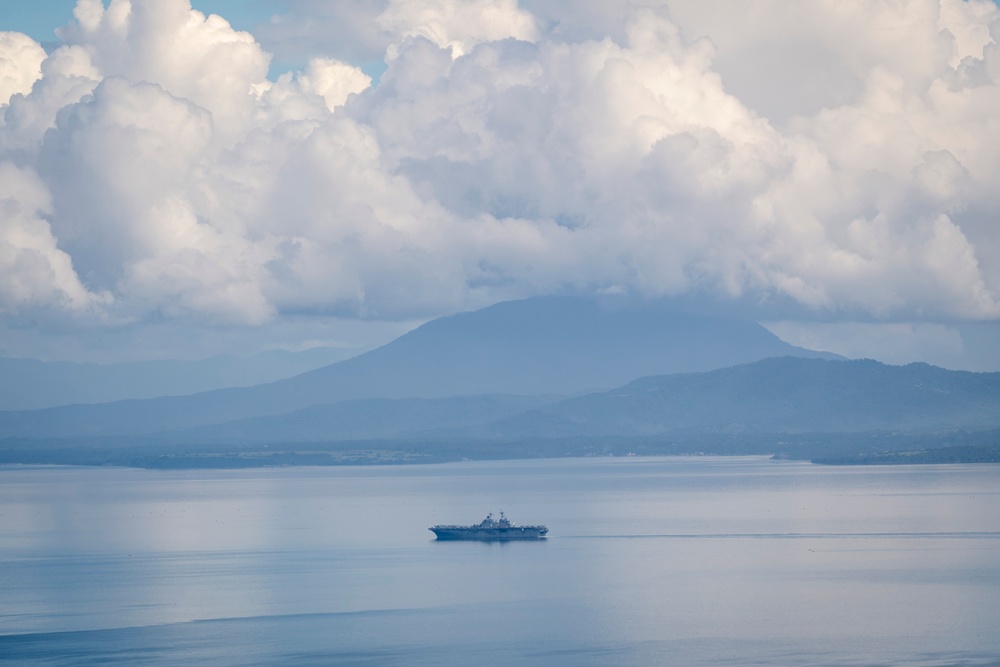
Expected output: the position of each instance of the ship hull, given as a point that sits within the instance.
(490, 534)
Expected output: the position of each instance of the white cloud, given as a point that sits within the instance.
(20, 64)
(641, 146)
(372, 30)
(345, 30)
(111, 160)
(843, 156)
(333, 80)
(194, 57)
(457, 25)
(35, 275)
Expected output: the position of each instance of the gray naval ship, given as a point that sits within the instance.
(490, 530)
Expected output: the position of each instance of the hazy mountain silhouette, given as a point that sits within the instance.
(30, 384)
(773, 396)
(549, 345)
(777, 395)
(368, 418)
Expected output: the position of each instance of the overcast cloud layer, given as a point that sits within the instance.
(843, 157)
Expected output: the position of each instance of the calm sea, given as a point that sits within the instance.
(649, 561)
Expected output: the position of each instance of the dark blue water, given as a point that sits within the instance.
(697, 561)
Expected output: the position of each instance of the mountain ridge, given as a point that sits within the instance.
(783, 394)
(544, 345)
(777, 395)
(47, 384)
(839, 417)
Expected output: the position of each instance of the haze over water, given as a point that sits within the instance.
(649, 561)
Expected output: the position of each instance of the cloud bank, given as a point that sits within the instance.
(842, 157)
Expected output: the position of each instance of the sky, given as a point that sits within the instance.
(181, 181)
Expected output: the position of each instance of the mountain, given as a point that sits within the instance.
(780, 395)
(365, 419)
(549, 345)
(30, 384)
(832, 411)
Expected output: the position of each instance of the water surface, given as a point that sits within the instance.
(648, 561)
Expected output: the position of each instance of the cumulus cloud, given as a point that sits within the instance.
(457, 25)
(194, 57)
(372, 30)
(333, 80)
(841, 156)
(35, 275)
(20, 64)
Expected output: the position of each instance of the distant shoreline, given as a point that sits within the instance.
(876, 448)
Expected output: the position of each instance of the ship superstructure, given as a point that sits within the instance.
(490, 529)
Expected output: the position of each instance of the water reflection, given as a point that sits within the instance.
(646, 557)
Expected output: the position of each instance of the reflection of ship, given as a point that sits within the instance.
(490, 529)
